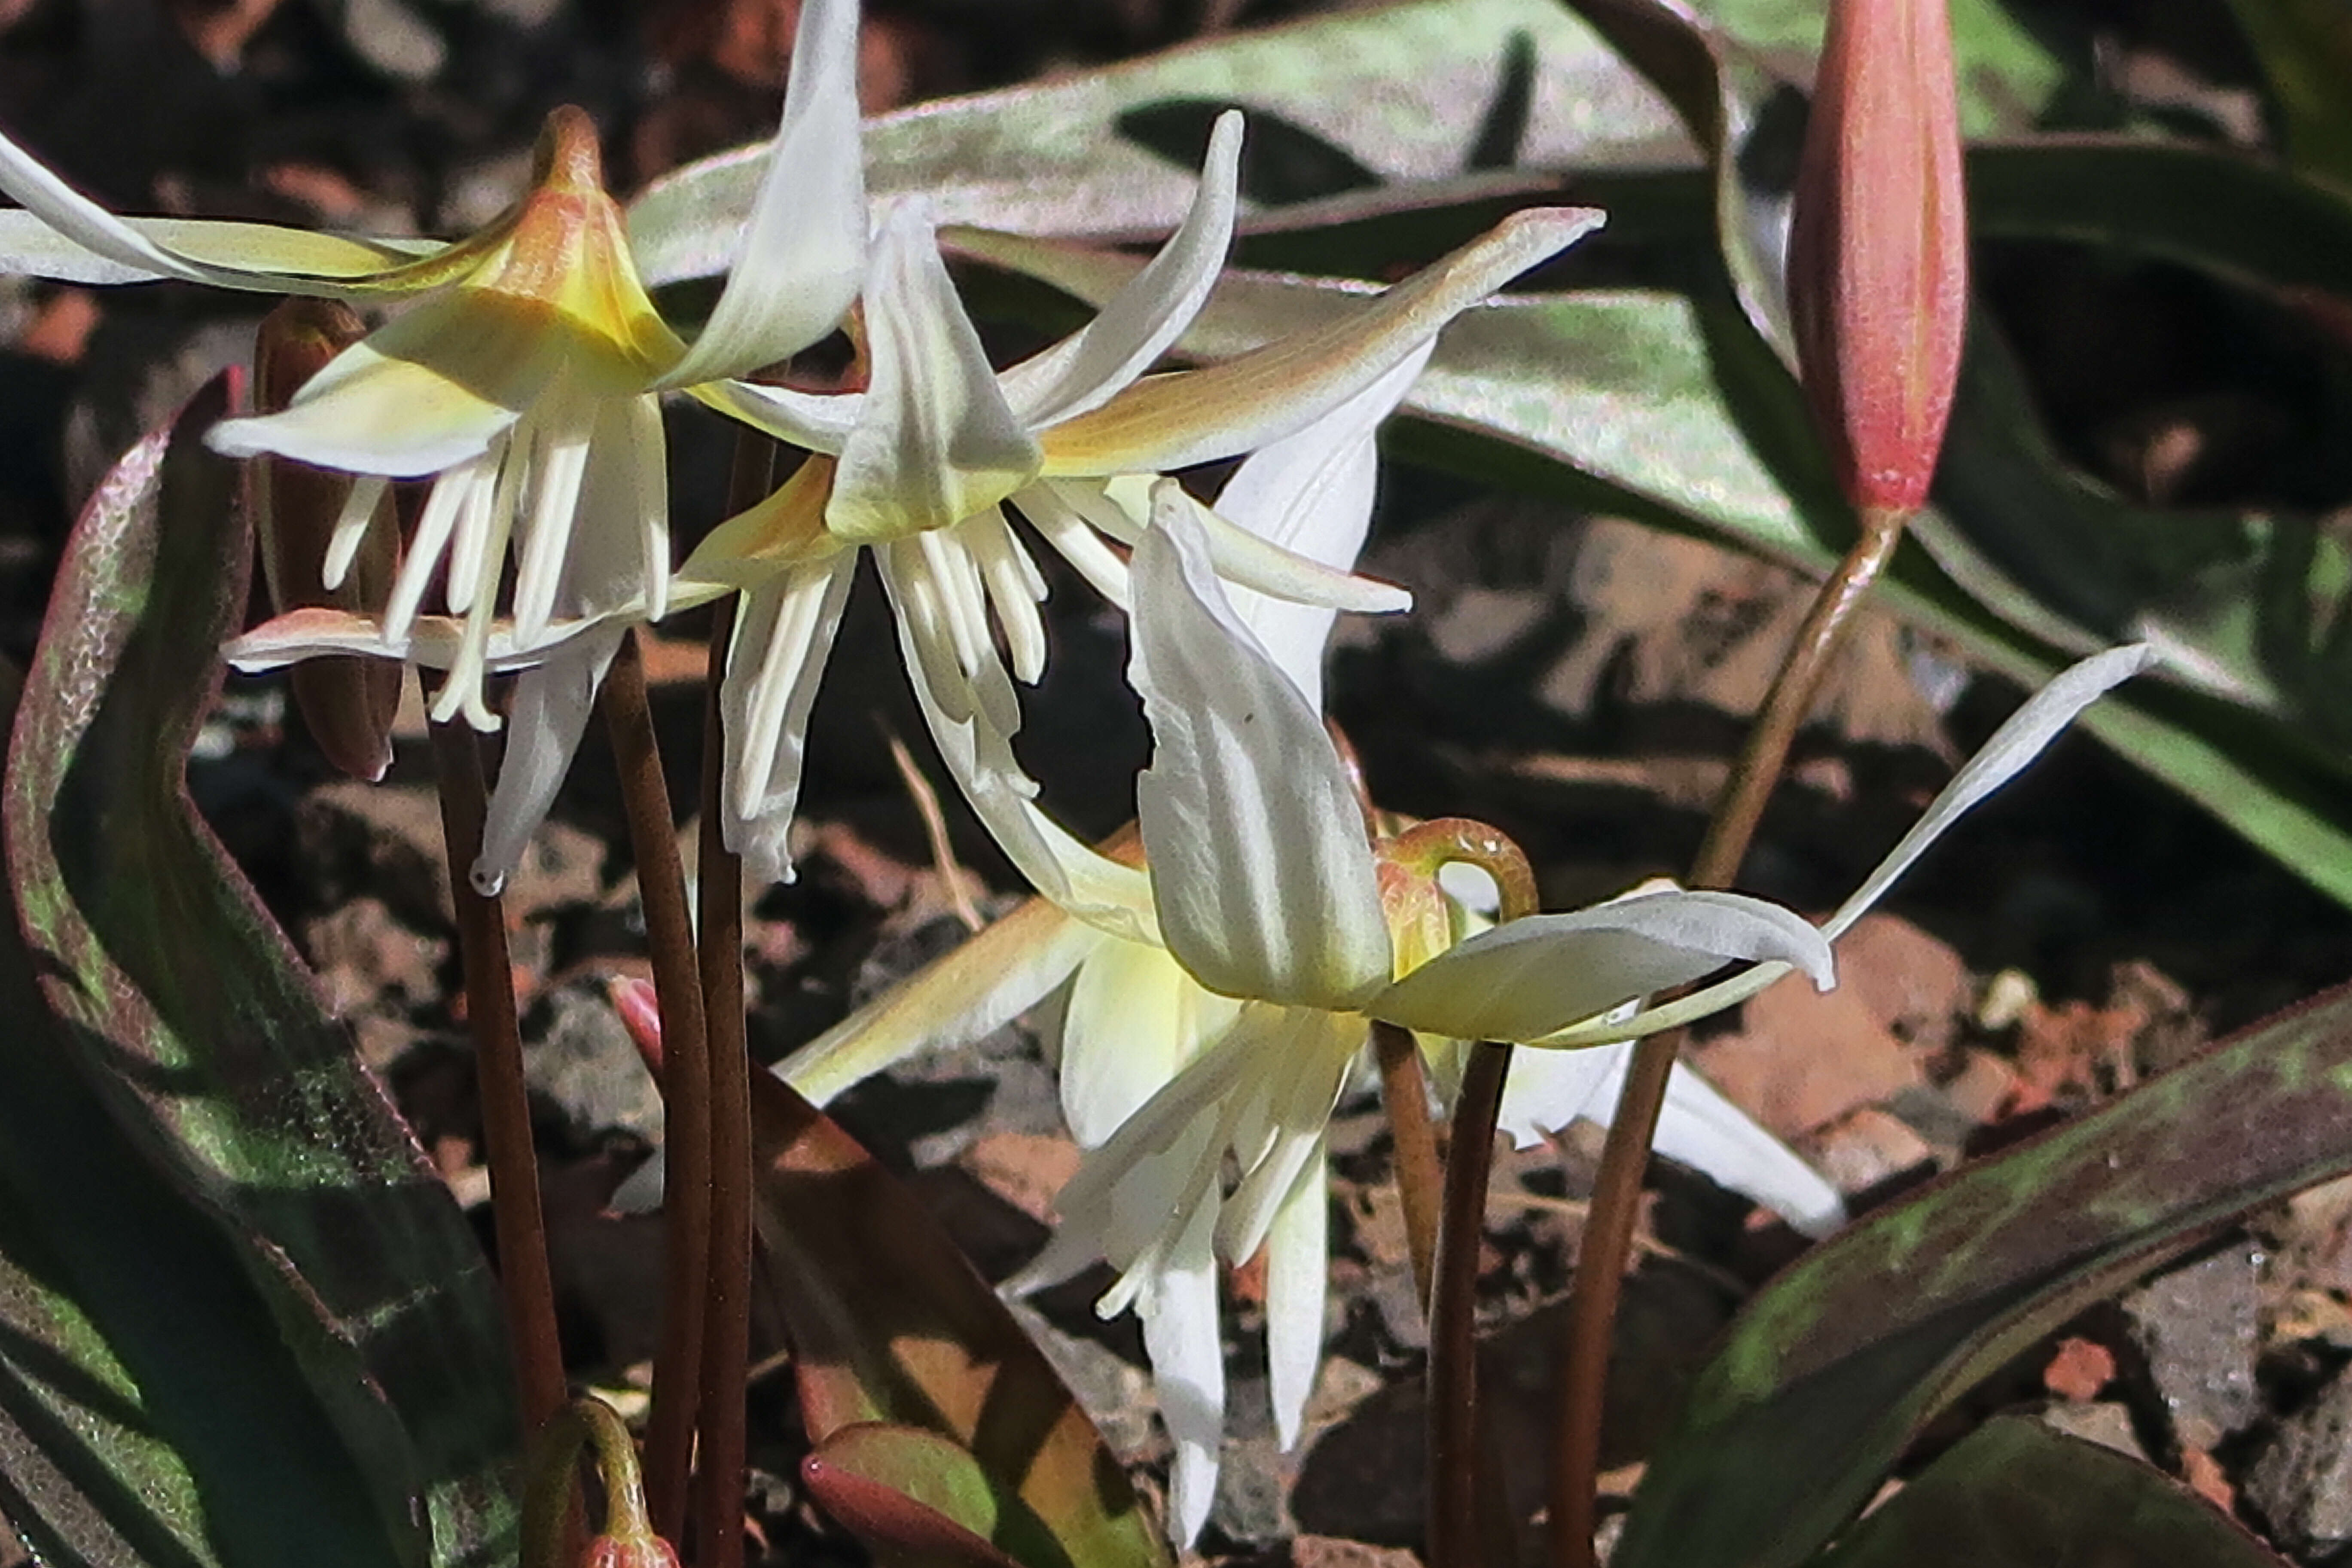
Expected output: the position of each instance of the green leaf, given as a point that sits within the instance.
(184, 1011)
(889, 1325)
(1409, 92)
(2015, 1494)
(2305, 49)
(1830, 1370)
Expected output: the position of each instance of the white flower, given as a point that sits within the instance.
(526, 379)
(921, 467)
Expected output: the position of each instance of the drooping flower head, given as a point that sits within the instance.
(523, 380)
(926, 467)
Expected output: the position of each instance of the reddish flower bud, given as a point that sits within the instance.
(637, 1549)
(1878, 248)
(347, 701)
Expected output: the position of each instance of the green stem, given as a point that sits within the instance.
(1608, 1241)
(552, 1485)
(686, 1086)
(526, 1286)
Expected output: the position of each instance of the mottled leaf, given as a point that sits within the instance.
(2015, 1494)
(206, 1045)
(1831, 1368)
(916, 1499)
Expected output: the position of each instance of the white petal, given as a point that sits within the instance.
(1140, 322)
(974, 990)
(1707, 1133)
(938, 442)
(1524, 979)
(1122, 508)
(549, 711)
(774, 669)
(818, 421)
(1061, 525)
(1131, 1023)
(1297, 1110)
(979, 756)
(2012, 746)
(1235, 405)
(423, 394)
(1312, 493)
(1182, 1336)
(99, 248)
(1260, 867)
(1297, 1277)
(795, 267)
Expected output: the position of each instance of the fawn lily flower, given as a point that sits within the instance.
(922, 465)
(525, 381)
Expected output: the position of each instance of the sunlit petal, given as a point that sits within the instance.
(1140, 322)
(1297, 1279)
(2017, 742)
(1133, 1020)
(1178, 419)
(938, 442)
(1262, 873)
(1312, 493)
(1524, 979)
(784, 633)
(978, 989)
(548, 714)
(1186, 1344)
(816, 421)
(795, 267)
(785, 530)
(1122, 507)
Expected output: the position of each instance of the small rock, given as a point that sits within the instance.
(2303, 1481)
(1912, 982)
(1867, 1148)
(2198, 1327)
(2107, 1425)
(582, 1061)
(1330, 1551)
(1801, 1058)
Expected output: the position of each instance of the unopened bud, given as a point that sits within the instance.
(327, 539)
(1878, 249)
(636, 1551)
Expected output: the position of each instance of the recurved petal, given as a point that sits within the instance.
(1176, 420)
(1261, 871)
(796, 265)
(817, 421)
(432, 641)
(1527, 978)
(1121, 508)
(1312, 493)
(1134, 1019)
(423, 394)
(936, 442)
(1297, 1277)
(545, 719)
(1186, 1345)
(64, 234)
(2016, 744)
(774, 669)
(1140, 322)
(977, 988)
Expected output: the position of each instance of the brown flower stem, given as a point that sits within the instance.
(685, 1086)
(1608, 1240)
(1459, 1502)
(1421, 1175)
(525, 1285)
(720, 1478)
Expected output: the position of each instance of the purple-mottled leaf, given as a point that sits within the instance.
(1829, 1372)
(204, 1045)
(2015, 1494)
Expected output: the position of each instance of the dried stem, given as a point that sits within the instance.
(1458, 1503)
(1421, 1175)
(1608, 1240)
(685, 1086)
(525, 1286)
(727, 1326)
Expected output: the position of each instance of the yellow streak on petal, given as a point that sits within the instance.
(785, 530)
(1174, 420)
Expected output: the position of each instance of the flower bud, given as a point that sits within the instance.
(1878, 249)
(347, 701)
(637, 1549)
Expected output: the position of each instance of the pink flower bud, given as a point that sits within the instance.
(1878, 248)
(631, 1550)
